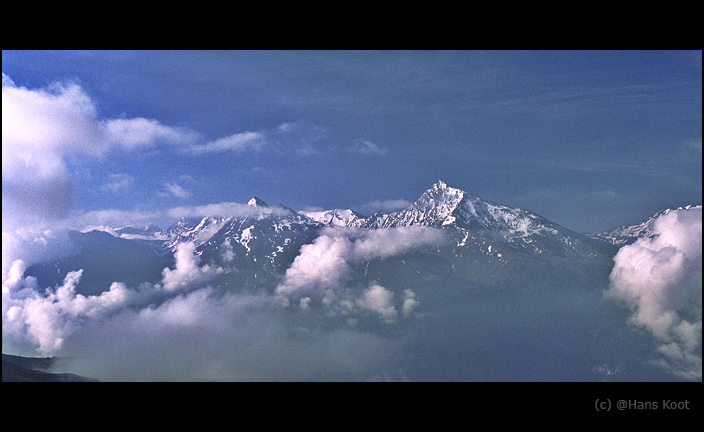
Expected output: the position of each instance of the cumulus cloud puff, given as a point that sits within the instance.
(380, 300)
(188, 272)
(46, 317)
(660, 279)
(42, 127)
(324, 266)
(183, 328)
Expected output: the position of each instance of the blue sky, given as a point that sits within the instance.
(590, 140)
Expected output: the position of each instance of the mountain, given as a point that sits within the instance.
(256, 202)
(442, 206)
(106, 259)
(337, 217)
(467, 289)
(263, 242)
(488, 244)
(485, 231)
(35, 369)
(193, 229)
(628, 234)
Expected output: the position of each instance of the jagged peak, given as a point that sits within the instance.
(256, 202)
(442, 188)
(440, 185)
(442, 192)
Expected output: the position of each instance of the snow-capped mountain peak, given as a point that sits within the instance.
(194, 229)
(630, 233)
(442, 205)
(432, 208)
(256, 202)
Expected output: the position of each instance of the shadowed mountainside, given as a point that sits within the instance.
(34, 369)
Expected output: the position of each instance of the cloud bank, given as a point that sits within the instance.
(660, 279)
(186, 327)
(323, 321)
(45, 317)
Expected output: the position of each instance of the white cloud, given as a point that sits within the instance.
(38, 128)
(323, 267)
(206, 335)
(58, 119)
(118, 182)
(319, 268)
(193, 332)
(660, 279)
(187, 274)
(132, 134)
(380, 300)
(385, 206)
(223, 209)
(301, 136)
(31, 246)
(409, 302)
(176, 190)
(111, 217)
(367, 148)
(239, 142)
(695, 145)
(62, 119)
(42, 127)
(47, 319)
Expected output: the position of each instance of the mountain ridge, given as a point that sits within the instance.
(469, 217)
(485, 242)
(627, 234)
(438, 206)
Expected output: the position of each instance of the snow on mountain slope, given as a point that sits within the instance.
(256, 202)
(266, 240)
(471, 219)
(336, 217)
(196, 230)
(477, 220)
(628, 234)
(442, 205)
(486, 243)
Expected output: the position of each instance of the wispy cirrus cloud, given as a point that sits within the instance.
(238, 142)
(175, 190)
(384, 205)
(118, 182)
(42, 127)
(366, 147)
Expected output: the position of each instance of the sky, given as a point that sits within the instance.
(591, 140)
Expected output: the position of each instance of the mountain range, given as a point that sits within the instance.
(485, 244)
(457, 287)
